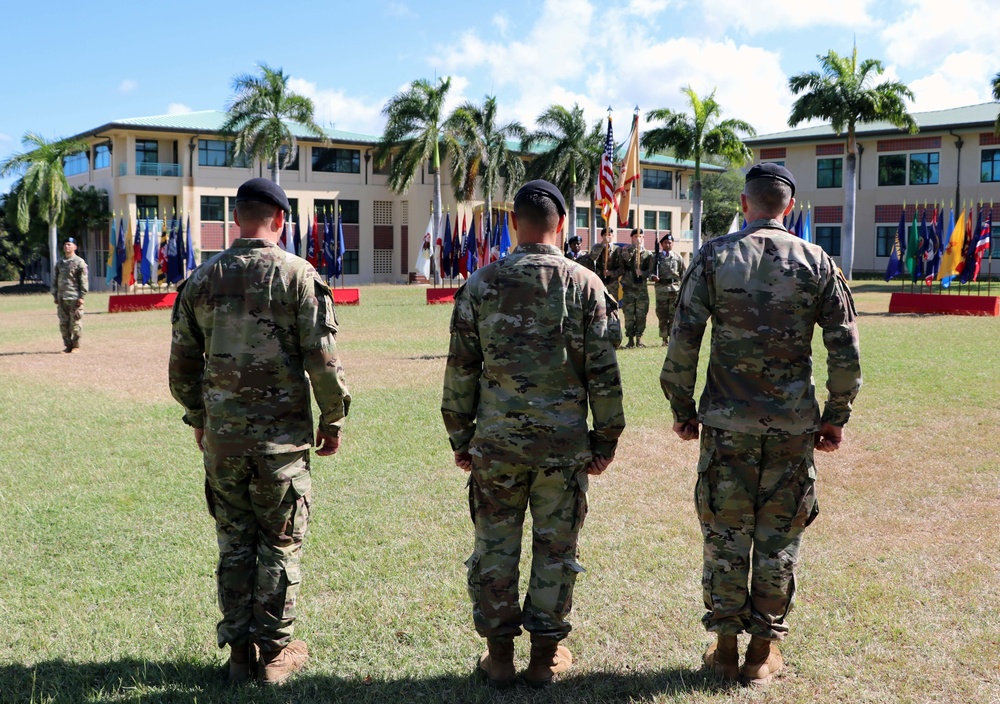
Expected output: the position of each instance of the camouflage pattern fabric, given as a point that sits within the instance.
(755, 495)
(70, 286)
(247, 326)
(669, 269)
(70, 322)
(500, 494)
(765, 290)
(635, 293)
(261, 507)
(530, 350)
(596, 255)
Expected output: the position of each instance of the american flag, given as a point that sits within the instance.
(606, 183)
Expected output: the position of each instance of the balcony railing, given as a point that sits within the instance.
(151, 169)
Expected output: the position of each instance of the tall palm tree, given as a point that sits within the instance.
(413, 134)
(259, 114)
(483, 156)
(996, 96)
(696, 136)
(844, 94)
(571, 156)
(43, 179)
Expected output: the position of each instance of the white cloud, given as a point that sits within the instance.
(127, 86)
(764, 16)
(177, 109)
(400, 9)
(646, 8)
(501, 23)
(963, 78)
(336, 108)
(930, 30)
(5, 138)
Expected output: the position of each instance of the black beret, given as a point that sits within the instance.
(771, 170)
(263, 190)
(70, 240)
(575, 239)
(545, 188)
(667, 238)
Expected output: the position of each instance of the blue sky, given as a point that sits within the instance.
(116, 59)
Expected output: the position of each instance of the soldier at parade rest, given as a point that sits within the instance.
(69, 289)
(248, 326)
(764, 291)
(667, 273)
(634, 264)
(530, 350)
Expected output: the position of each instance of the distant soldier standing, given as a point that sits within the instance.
(248, 326)
(764, 290)
(601, 257)
(575, 253)
(69, 289)
(530, 351)
(634, 264)
(667, 283)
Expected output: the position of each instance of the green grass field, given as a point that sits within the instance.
(107, 555)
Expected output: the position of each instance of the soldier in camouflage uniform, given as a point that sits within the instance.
(634, 264)
(248, 326)
(666, 280)
(530, 350)
(764, 291)
(69, 289)
(601, 257)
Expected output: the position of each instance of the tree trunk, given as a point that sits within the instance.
(695, 216)
(572, 212)
(436, 274)
(53, 250)
(489, 209)
(850, 199)
(592, 218)
(275, 172)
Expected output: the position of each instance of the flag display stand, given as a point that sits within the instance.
(347, 296)
(944, 304)
(441, 295)
(128, 303)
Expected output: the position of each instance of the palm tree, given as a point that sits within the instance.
(996, 96)
(697, 136)
(572, 153)
(844, 95)
(482, 156)
(413, 132)
(44, 179)
(259, 115)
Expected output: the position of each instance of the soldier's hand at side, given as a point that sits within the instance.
(654, 278)
(79, 303)
(688, 430)
(463, 460)
(829, 437)
(598, 464)
(326, 444)
(199, 434)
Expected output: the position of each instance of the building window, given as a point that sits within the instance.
(990, 166)
(924, 168)
(656, 220)
(830, 173)
(349, 211)
(102, 157)
(76, 164)
(350, 261)
(294, 166)
(892, 170)
(216, 152)
(994, 251)
(147, 207)
(885, 237)
(147, 151)
(658, 179)
(581, 218)
(828, 238)
(213, 208)
(340, 161)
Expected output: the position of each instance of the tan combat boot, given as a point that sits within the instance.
(723, 658)
(497, 663)
(241, 659)
(763, 661)
(548, 659)
(277, 666)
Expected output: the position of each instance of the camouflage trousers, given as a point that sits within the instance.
(261, 509)
(70, 322)
(635, 306)
(755, 495)
(499, 495)
(666, 305)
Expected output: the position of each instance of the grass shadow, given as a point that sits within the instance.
(132, 680)
(21, 354)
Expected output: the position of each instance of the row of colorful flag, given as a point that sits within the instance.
(163, 256)
(936, 251)
(461, 250)
(322, 246)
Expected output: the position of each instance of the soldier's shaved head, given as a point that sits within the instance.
(768, 196)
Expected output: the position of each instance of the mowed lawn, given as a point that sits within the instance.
(107, 552)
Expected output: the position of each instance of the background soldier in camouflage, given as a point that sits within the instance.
(530, 349)
(601, 257)
(764, 290)
(634, 264)
(69, 289)
(247, 326)
(667, 284)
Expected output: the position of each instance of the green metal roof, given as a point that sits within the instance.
(982, 115)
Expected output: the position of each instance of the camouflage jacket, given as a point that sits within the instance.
(623, 262)
(529, 351)
(764, 290)
(597, 262)
(71, 279)
(669, 269)
(247, 326)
